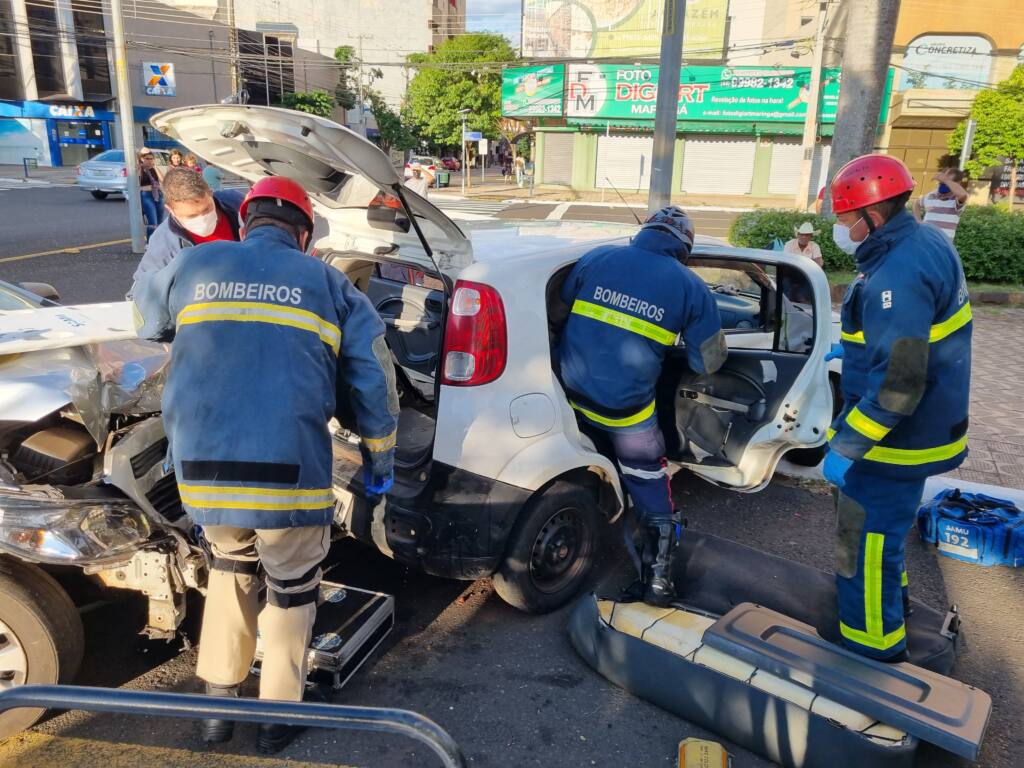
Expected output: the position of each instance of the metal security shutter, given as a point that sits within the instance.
(716, 165)
(784, 176)
(787, 155)
(624, 162)
(558, 158)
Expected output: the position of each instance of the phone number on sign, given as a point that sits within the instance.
(760, 82)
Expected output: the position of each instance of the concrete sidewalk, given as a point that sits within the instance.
(493, 188)
(64, 175)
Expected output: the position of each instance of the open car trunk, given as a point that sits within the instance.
(411, 302)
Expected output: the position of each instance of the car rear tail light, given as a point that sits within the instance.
(78, 170)
(124, 171)
(476, 338)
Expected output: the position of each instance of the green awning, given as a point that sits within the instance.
(702, 126)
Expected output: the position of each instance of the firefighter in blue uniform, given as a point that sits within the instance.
(263, 336)
(906, 349)
(628, 306)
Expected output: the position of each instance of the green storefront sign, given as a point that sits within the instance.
(532, 91)
(627, 94)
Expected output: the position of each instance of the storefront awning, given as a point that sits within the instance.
(701, 126)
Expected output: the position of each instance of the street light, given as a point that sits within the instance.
(464, 113)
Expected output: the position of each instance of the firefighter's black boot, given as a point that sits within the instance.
(660, 590)
(218, 731)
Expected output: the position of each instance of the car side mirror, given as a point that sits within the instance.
(42, 290)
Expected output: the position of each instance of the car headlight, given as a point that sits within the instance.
(70, 531)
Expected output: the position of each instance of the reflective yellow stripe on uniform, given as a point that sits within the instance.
(867, 426)
(937, 332)
(260, 312)
(626, 421)
(911, 456)
(955, 322)
(624, 321)
(873, 636)
(904, 581)
(381, 443)
(240, 497)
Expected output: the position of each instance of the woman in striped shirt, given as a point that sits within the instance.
(943, 205)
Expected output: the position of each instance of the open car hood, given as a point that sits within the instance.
(343, 173)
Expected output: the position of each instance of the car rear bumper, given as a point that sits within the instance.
(443, 520)
(92, 184)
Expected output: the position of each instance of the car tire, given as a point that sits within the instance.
(551, 549)
(812, 457)
(41, 632)
(98, 195)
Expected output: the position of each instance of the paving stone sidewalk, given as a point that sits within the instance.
(997, 399)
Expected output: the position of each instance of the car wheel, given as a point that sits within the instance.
(551, 549)
(41, 637)
(98, 195)
(812, 457)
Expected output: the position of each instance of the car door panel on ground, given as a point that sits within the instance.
(731, 426)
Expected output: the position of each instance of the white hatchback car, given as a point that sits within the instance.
(494, 473)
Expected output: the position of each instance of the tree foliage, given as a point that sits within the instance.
(315, 102)
(999, 135)
(347, 90)
(393, 132)
(447, 81)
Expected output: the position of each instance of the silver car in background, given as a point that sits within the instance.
(107, 173)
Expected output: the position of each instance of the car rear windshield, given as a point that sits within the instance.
(423, 160)
(111, 156)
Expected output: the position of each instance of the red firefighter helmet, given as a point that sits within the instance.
(282, 190)
(867, 180)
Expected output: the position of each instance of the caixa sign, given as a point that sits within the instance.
(72, 111)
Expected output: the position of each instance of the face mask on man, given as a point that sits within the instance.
(202, 225)
(841, 236)
(943, 189)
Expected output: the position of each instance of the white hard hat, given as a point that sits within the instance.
(806, 229)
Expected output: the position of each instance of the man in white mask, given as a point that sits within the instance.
(197, 215)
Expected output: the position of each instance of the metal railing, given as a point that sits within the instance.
(152, 703)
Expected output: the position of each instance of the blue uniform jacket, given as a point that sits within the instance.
(906, 335)
(262, 332)
(629, 304)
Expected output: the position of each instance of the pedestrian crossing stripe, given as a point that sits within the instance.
(471, 206)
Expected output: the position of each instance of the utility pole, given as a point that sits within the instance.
(213, 66)
(465, 170)
(667, 113)
(870, 28)
(965, 150)
(803, 190)
(362, 104)
(127, 121)
(236, 81)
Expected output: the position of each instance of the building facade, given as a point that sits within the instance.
(381, 33)
(58, 102)
(743, 90)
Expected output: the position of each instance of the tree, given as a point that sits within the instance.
(347, 90)
(393, 134)
(998, 136)
(463, 73)
(315, 102)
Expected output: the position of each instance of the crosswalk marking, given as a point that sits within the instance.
(482, 207)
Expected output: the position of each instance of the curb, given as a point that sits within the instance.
(1013, 298)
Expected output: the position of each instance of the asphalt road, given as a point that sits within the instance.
(57, 222)
(508, 687)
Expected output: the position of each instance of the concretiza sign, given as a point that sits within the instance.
(532, 91)
(747, 94)
(158, 79)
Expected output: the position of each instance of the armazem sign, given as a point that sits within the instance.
(747, 94)
(609, 28)
(532, 91)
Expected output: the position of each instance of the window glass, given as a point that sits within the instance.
(111, 156)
